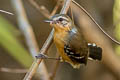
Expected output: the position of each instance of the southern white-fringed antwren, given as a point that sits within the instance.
(70, 42)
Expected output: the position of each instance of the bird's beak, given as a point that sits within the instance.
(48, 21)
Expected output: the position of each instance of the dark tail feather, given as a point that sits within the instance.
(95, 52)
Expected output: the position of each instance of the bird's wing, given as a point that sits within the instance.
(76, 47)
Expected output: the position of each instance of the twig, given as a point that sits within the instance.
(46, 45)
(6, 12)
(10, 70)
(115, 41)
(36, 63)
(43, 56)
(25, 27)
(93, 34)
(27, 30)
(65, 7)
(41, 9)
(55, 70)
(56, 8)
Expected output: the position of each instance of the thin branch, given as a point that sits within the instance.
(6, 12)
(36, 63)
(115, 41)
(65, 7)
(41, 9)
(55, 70)
(25, 27)
(56, 8)
(46, 45)
(93, 34)
(27, 30)
(43, 56)
(10, 70)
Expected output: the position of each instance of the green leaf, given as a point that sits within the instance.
(116, 19)
(13, 46)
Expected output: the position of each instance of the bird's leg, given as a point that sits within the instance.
(43, 56)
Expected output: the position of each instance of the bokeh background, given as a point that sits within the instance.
(14, 52)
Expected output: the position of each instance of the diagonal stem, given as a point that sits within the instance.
(46, 45)
(27, 30)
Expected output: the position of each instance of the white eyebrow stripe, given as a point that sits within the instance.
(61, 17)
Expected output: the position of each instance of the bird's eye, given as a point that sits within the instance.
(60, 19)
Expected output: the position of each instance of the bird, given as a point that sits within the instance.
(70, 42)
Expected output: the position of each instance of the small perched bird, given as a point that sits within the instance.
(70, 42)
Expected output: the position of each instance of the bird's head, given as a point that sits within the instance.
(60, 21)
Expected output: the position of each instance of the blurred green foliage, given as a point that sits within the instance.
(12, 45)
(116, 19)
